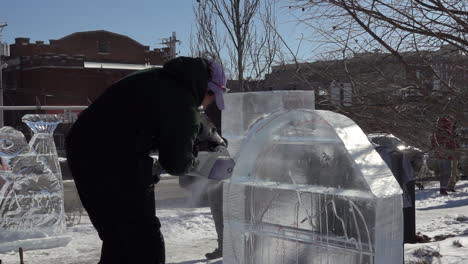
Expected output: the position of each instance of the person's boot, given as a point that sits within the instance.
(217, 253)
(451, 189)
(443, 192)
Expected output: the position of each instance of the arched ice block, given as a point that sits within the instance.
(308, 187)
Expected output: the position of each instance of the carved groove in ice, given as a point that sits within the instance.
(308, 187)
(31, 190)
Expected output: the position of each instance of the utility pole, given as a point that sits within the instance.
(4, 51)
(171, 44)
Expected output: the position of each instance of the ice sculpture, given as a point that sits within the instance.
(42, 141)
(308, 187)
(31, 190)
(243, 109)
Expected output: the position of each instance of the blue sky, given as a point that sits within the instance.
(146, 21)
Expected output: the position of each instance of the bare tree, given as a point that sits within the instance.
(244, 31)
(206, 41)
(395, 23)
(264, 45)
(392, 66)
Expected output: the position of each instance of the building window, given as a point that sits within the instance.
(103, 46)
(341, 94)
(418, 74)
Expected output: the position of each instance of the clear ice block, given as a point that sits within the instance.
(31, 189)
(244, 109)
(308, 187)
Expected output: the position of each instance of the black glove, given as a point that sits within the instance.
(208, 146)
(196, 148)
(156, 171)
(208, 138)
(225, 142)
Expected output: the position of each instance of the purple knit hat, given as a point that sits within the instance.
(217, 84)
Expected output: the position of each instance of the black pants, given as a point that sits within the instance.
(127, 236)
(215, 198)
(122, 209)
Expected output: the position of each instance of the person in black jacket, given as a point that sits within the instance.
(108, 152)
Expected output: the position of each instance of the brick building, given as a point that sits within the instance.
(339, 82)
(382, 94)
(72, 70)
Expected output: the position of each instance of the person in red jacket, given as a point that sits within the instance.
(444, 144)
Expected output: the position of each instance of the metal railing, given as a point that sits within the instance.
(66, 109)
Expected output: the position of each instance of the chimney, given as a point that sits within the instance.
(21, 41)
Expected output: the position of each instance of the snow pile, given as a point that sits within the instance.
(186, 223)
(444, 219)
(84, 248)
(189, 234)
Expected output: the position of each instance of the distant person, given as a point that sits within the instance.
(215, 192)
(444, 143)
(211, 118)
(108, 152)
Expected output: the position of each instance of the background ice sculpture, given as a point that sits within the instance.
(42, 141)
(244, 109)
(31, 190)
(308, 187)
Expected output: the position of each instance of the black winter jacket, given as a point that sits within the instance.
(154, 109)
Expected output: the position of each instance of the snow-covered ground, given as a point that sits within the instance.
(441, 217)
(189, 234)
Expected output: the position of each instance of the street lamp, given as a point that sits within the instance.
(4, 51)
(2, 65)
